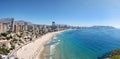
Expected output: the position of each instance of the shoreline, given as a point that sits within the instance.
(47, 49)
(35, 50)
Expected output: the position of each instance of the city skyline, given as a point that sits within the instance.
(71, 12)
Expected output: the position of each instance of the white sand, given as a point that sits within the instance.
(34, 50)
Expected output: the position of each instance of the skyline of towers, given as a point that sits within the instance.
(11, 26)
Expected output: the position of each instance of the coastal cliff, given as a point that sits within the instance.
(115, 54)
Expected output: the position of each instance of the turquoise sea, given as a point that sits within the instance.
(84, 44)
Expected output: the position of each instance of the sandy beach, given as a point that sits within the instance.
(35, 50)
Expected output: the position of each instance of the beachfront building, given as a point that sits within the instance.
(58, 28)
(45, 29)
(30, 28)
(21, 24)
(40, 27)
(7, 24)
(4, 27)
(37, 28)
(17, 28)
(25, 26)
(49, 29)
(53, 27)
(0, 27)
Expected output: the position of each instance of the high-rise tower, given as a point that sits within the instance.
(53, 23)
(12, 25)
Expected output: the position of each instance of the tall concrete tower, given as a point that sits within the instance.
(12, 25)
(53, 23)
(53, 26)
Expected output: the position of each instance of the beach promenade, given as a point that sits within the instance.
(35, 50)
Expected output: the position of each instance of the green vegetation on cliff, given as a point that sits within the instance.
(115, 54)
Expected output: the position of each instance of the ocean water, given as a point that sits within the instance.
(84, 44)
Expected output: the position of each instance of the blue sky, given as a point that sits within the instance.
(71, 12)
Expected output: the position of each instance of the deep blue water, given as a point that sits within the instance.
(88, 43)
